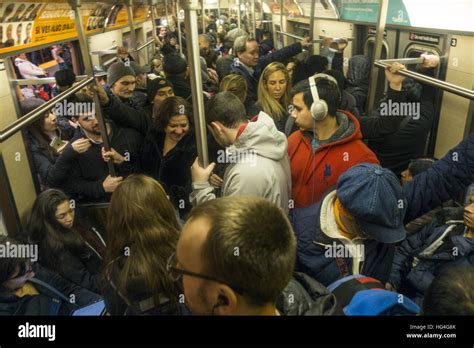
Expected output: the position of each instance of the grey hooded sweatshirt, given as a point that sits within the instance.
(257, 165)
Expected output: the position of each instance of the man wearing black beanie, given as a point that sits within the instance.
(176, 70)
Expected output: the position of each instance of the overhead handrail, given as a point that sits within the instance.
(295, 36)
(104, 52)
(32, 116)
(41, 81)
(148, 43)
(404, 61)
(110, 61)
(334, 39)
(446, 86)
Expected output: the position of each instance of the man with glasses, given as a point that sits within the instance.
(235, 256)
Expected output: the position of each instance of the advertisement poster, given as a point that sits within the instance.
(28, 24)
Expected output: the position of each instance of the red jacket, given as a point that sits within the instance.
(313, 174)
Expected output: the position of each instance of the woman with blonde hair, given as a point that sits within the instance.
(235, 84)
(274, 94)
(142, 233)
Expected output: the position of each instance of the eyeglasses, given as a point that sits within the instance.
(176, 274)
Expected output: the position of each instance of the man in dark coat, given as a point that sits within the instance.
(250, 65)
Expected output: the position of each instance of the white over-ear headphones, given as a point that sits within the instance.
(319, 108)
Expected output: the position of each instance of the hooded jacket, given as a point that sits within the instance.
(323, 252)
(446, 179)
(313, 172)
(425, 254)
(358, 80)
(257, 165)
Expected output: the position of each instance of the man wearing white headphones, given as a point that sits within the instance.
(328, 142)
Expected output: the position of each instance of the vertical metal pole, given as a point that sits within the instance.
(89, 70)
(377, 53)
(153, 23)
(166, 13)
(311, 23)
(254, 24)
(190, 21)
(134, 54)
(203, 19)
(218, 9)
(238, 14)
(281, 24)
(179, 28)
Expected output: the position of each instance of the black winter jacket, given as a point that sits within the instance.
(47, 302)
(88, 170)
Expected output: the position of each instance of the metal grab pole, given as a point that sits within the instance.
(311, 22)
(180, 40)
(446, 86)
(153, 23)
(290, 35)
(239, 23)
(405, 61)
(377, 53)
(254, 24)
(203, 13)
(132, 30)
(166, 13)
(148, 43)
(89, 69)
(190, 21)
(32, 116)
(41, 81)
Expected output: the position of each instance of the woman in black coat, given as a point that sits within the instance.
(47, 137)
(74, 250)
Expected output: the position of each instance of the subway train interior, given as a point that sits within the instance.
(227, 157)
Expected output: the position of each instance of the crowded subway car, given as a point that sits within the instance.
(236, 157)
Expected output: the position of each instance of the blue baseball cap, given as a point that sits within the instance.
(374, 196)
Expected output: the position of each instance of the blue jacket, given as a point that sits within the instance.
(422, 256)
(445, 180)
(252, 80)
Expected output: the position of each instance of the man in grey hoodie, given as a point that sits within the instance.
(256, 155)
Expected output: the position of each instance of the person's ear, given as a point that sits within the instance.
(217, 128)
(226, 301)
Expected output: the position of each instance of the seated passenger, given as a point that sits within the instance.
(46, 139)
(142, 232)
(274, 95)
(256, 154)
(85, 176)
(73, 249)
(422, 256)
(235, 256)
(20, 293)
(451, 293)
(327, 144)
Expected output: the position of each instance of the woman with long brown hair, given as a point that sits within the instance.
(142, 233)
(274, 94)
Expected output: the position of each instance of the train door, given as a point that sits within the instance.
(367, 48)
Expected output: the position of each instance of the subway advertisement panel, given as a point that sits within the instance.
(28, 24)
